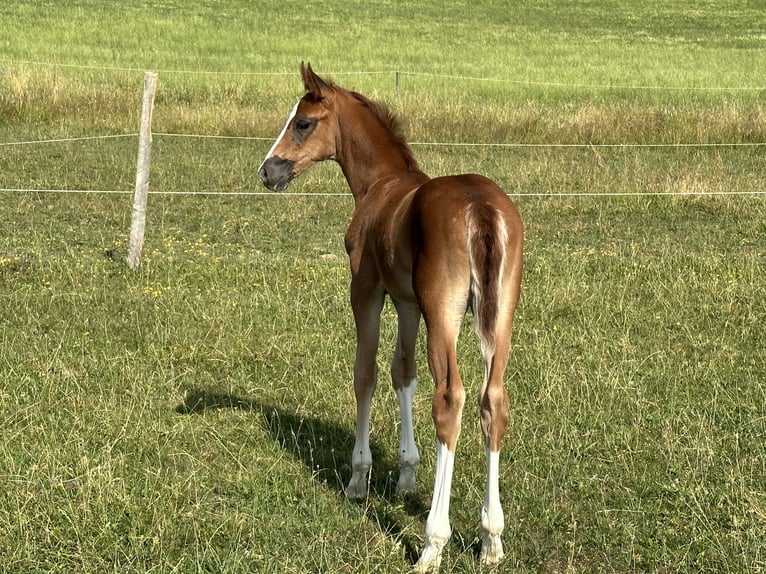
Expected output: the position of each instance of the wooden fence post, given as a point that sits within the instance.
(138, 215)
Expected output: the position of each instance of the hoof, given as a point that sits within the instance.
(406, 482)
(426, 565)
(491, 550)
(357, 486)
(431, 557)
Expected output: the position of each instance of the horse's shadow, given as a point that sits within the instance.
(324, 448)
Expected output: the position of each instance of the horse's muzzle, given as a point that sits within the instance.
(276, 173)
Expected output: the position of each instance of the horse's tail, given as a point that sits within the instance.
(490, 261)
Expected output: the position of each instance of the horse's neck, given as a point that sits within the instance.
(368, 157)
(378, 177)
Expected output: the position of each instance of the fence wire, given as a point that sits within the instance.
(415, 143)
(555, 194)
(390, 72)
(396, 73)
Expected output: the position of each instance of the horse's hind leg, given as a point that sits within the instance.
(493, 407)
(404, 378)
(493, 410)
(447, 411)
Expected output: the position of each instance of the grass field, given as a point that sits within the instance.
(197, 415)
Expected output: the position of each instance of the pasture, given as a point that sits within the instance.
(196, 415)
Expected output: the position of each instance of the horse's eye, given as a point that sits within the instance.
(303, 124)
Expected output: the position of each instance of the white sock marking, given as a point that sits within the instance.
(361, 457)
(492, 519)
(408, 450)
(438, 528)
(409, 457)
(492, 512)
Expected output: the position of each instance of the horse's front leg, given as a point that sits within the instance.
(404, 379)
(366, 303)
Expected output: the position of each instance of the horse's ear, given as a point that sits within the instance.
(313, 83)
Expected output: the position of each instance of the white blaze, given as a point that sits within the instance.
(282, 133)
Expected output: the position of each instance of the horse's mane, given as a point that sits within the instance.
(393, 126)
(381, 112)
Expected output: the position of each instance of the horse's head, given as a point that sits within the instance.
(308, 136)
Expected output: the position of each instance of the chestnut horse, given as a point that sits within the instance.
(437, 247)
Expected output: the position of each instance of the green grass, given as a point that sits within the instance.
(197, 415)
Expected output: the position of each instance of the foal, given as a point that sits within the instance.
(437, 247)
